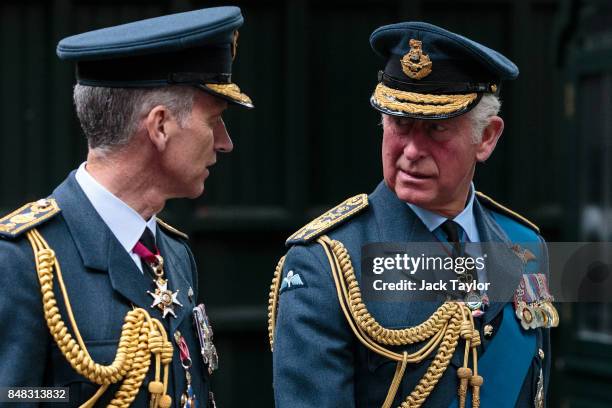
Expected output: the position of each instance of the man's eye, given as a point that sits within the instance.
(401, 121)
(438, 127)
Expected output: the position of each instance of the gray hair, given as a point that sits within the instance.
(481, 114)
(110, 116)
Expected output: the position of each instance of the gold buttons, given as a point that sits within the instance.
(541, 353)
(488, 330)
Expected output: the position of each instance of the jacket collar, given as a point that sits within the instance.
(395, 220)
(102, 252)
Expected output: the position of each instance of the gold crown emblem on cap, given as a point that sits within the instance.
(416, 64)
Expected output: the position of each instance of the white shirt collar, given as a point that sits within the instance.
(125, 223)
(465, 218)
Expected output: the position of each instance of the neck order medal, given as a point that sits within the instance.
(163, 298)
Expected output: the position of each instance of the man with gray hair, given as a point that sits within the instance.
(445, 337)
(102, 293)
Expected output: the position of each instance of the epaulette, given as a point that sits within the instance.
(28, 216)
(329, 220)
(171, 229)
(489, 202)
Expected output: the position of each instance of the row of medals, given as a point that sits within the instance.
(165, 300)
(531, 315)
(537, 314)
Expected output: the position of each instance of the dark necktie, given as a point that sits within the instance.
(148, 240)
(451, 229)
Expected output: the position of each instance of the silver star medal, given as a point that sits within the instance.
(164, 298)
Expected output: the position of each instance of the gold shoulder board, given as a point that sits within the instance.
(489, 202)
(329, 220)
(28, 216)
(171, 229)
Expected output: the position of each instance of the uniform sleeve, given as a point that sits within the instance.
(313, 344)
(24, 339)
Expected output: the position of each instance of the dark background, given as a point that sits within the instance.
(313, 140)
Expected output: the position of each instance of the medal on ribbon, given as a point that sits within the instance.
(533, 303)
(163, 298)
(188, 398)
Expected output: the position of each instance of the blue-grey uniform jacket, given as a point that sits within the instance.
(318, 362)
(103, 284)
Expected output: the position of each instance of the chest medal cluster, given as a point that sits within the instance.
(205, 335)
(533, 303)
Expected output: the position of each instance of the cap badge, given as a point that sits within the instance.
(235, 44)
(416, 64)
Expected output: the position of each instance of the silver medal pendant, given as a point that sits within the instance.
(205, 335)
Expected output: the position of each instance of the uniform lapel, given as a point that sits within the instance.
(503, 267)
(98, 247)
(178, 274)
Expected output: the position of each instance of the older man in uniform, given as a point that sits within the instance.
(100, 294)
(438, 95)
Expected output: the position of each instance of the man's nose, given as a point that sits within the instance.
(415, 146)
(223, 142)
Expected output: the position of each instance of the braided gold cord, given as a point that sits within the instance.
(424, 104)
(140, 336)
(438, 366)
(442, 329)
(380, 334)
(397, 380)
(273, 301)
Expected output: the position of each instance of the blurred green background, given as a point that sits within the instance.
(313, 140)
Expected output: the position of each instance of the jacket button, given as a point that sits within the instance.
(488, 330)
(541, 353)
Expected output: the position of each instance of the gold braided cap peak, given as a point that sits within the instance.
(171, 229)
(27, 217)
(421, 104)
(330, 219)
(231, 91)
(491, 203)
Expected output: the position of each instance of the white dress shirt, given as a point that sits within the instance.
(125, 223)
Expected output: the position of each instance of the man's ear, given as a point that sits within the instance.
(490, 136)
(157, 124)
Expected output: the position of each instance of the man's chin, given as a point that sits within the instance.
(420, 198)
(196, 192)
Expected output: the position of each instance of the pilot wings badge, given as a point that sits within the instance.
(291, 281)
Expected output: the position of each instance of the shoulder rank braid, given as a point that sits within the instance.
(28, 216)
(491, 203)
(440, 332)
(329, 219)
(141, 335)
